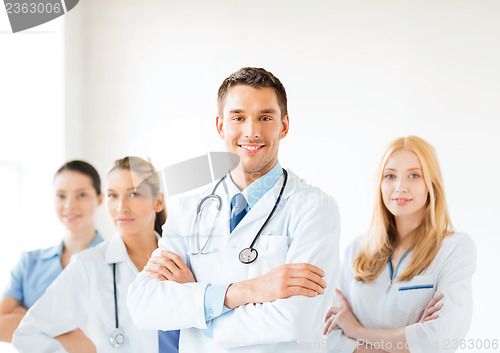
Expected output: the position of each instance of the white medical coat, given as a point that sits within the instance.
(82, 297)
(402, 305)
(304, 228)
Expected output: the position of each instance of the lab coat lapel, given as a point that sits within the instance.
(116, 251)
(253, 220)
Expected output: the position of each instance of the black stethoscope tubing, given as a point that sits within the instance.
(250, 254)
(272, 211)
(114, 292)
(116, 338)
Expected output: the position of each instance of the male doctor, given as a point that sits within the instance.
(222, 304)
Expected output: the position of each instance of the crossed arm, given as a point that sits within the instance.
(279, 315)
(11, 314)
(343, 318)
(432, 330)
(284, 281)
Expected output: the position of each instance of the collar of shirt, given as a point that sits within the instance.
(117, 251)
(56, 250)
(258, 188)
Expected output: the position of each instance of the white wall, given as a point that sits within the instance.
(31, 139)
(358, 73)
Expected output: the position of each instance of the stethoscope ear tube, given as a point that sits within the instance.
(198, 221)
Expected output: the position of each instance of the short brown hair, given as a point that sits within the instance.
(256, 78)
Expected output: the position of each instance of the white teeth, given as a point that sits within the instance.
(252, 148)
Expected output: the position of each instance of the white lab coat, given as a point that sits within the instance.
(376, 306)
(304, 228)
(82, 297)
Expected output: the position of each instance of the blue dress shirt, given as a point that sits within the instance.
(35, 271)
(215, 295)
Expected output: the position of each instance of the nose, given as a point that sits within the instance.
(69, 203)
(251, 128)
(402, 185)
(121, 205)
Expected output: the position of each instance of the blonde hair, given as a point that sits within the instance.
(149, 175)
(378, 242)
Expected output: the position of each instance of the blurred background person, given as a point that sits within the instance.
(77, 195)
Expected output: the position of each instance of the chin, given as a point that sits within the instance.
(73, 225)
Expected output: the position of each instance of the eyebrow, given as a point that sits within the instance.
(127, 189)
(77, 190)
(394, 170)
(263, 111)
(268, 111)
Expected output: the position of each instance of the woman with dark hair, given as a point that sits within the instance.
(91, 292)
(77, 194)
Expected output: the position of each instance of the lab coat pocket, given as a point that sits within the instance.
(273, 249)
(414, 295)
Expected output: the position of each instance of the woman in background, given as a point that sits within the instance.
(406, 285)
(91, 292)
(77, 194)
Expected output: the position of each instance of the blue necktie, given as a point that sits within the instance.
(238, 211)
(168, 341)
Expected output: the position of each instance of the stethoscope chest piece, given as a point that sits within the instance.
(248, 255)
(116, 338)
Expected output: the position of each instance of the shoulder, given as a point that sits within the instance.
(308, 196)
(458, 243)
(352, 250)
(179, 201)
(92, 256)
(34, 256)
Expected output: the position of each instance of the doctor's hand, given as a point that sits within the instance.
(284, 281)
(343, 318)
(431, 308)
(168, 266)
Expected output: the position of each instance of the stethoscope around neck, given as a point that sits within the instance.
(247, 255)
(116, 337)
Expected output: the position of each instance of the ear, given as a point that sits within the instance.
(285, 123)
(100, 198)
(159, 202)
(220, 126)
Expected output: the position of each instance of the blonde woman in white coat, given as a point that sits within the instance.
(406, 285)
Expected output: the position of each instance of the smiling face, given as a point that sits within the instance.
(132, 209)
(76, 200)
(403, 187)
(251, 127)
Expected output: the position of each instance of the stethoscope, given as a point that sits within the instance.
(247, 255)
(116, 338)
